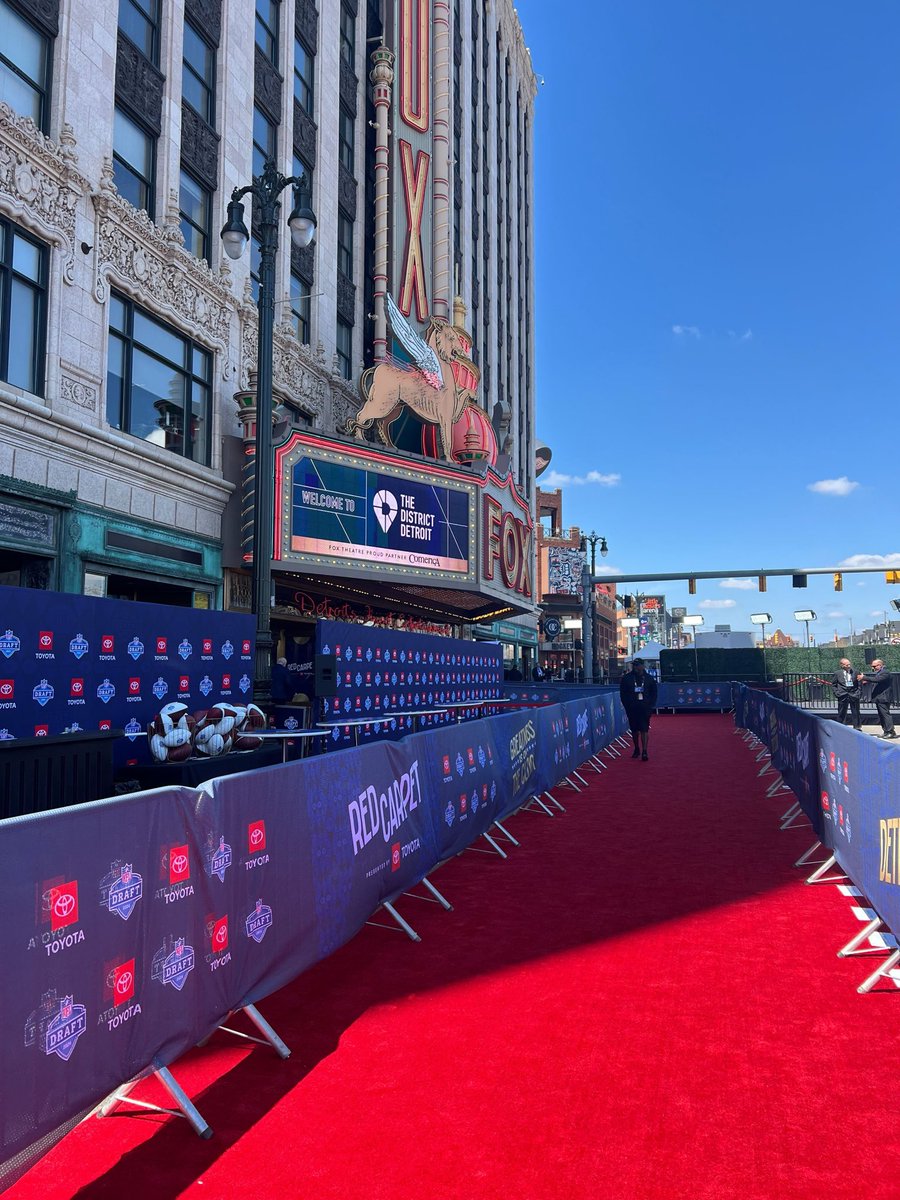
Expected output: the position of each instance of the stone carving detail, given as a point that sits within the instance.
(349, 84)
(39, 182)
(267, 86)
(139, 84)
(44, 12)
(344, 403)
(150, 264)
(78, 389)
(346, 298)
(298, 371)
(346, 192)
(305, 130)
(306, 22)
(199, 147)
(303, 263)
(207, 16)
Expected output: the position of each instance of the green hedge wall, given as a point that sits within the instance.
(747, 665)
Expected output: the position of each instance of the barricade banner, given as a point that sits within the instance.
(467, 782)
(81, 662)
(555, 745)
(103, 943)
(578, 715)
(515, 737)
(792, 736)
(859, 795)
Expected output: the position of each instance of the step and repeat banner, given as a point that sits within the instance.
(848, 785)
(80, 662)
(133, 926)
(383, 674)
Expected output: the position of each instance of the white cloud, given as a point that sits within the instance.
(740, 585)
(717, 604)
(746, 336)
(887, 561)
(558, 479)
(833, 487)
(686, 331)
(835, 616)
(607, 569)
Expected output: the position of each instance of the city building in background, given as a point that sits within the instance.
(128, 338)
(560, 561)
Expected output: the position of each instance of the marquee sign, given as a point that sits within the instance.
(507, 538)
(340, 507)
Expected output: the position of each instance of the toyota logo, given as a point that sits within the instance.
(77, 686)
(46, 640)
(221, 935)
(179, 864)
(124, 982)
(6, 689)
(256, 837)
(395, 857)
(64, 905)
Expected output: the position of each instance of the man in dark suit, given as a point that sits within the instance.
(881, 681)
(845, 686)
(637, 691)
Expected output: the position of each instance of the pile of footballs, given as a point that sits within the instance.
(175, 734)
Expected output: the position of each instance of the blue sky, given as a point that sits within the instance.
(717, 230)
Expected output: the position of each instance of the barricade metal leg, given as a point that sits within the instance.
(509, 837)
(764, 770)
(888, 965)
(541, 805)
(553, 800)
(570, 783)
(404, 926)
(185, 1107)
(790, 815)
(597, 762)
(269, 1034)
(580, 777)
(798, 816)
(611, 751)
(804, 858)
(436, 897)
(853, 945)
(819, 876)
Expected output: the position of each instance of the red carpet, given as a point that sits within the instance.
(644, 1001)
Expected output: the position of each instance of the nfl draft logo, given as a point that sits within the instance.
(482, 757)
(258, 922)
(105, 691)
(121, 889)
(244, 684)
(475, 801)
(218, 859)
(227, 649)
(79, 646)
(173, 966)
(291, 723)
(460, 764)
(206, 685)
(135, 648)
(185, 649)
(160, 688)
(10, 644)
(133, 729)
(449, 813)
(57, 1025)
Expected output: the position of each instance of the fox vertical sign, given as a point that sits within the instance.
(413, 155)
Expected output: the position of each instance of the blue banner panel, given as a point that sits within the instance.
(793, 739)
(467, 783)
(383, 674)
(694, 697)
(81, 662)
(516, 739)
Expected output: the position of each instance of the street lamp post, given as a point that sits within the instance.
(265, 190)
(763, 619)
(805, 615)
(693, 620)
(587, 601)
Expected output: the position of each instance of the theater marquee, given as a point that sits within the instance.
(341, 508)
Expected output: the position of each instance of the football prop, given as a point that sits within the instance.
(250, 719)
(170, 734)
(215, 731)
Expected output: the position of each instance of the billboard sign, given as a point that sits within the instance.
(345, 509)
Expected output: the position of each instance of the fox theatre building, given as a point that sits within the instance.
(386, 539)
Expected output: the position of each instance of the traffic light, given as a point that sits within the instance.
(892, 577)
(627, 601)
(762, 583)
(798, 581)
(692, 587)
(838, 581)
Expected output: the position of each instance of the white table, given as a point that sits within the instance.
(288, 735)
(355, 722)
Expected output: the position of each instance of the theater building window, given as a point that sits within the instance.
(23, 308)
(158, 383)
(24, 66)
(345, 348)
(134, 162)
(198, 77)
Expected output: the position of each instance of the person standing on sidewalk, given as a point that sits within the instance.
(881, 681)
(638, 691)
(845, 686)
